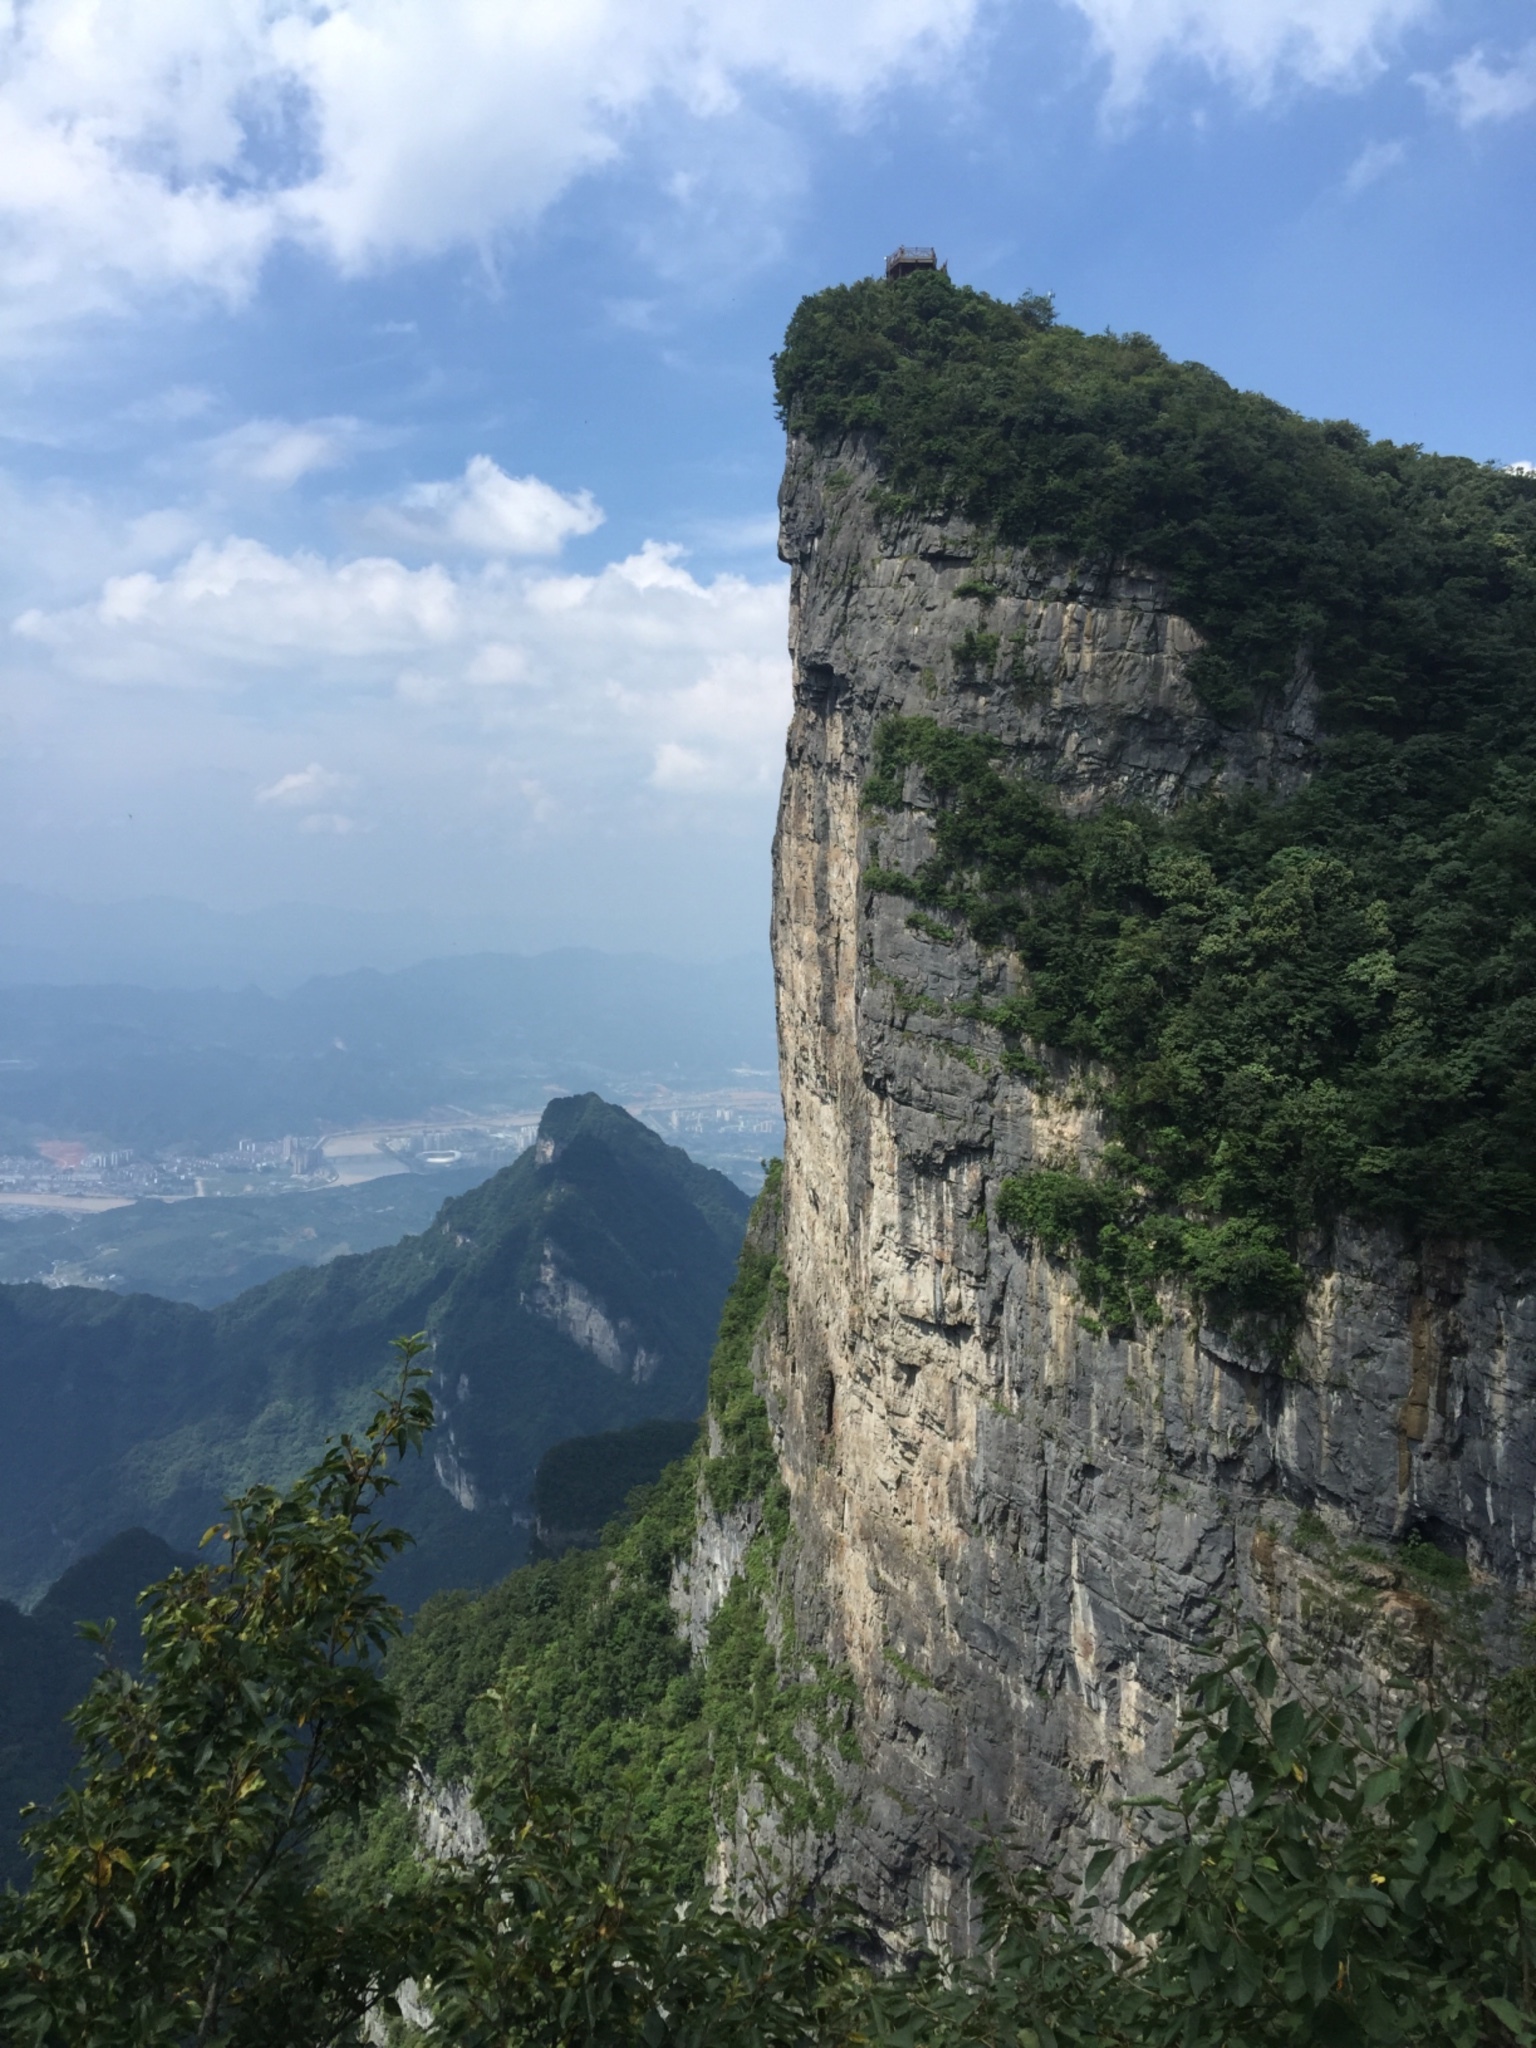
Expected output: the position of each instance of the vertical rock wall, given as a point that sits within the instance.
(1016, 1533)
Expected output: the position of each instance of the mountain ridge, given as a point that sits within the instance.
(127, 1409)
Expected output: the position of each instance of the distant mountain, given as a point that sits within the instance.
(207, 1252)
(152, 1068)
(168, 942)
(576, 1291)
(45, 1667)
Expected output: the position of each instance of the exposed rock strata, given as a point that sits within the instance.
(575, 1311)
(1015, 1532)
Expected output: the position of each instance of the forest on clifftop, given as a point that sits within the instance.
(1308, 1006)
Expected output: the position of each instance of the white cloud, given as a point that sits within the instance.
(490, 513)
(1475, 89)
(60, 538)
(234, 607)
(636, 679)
(733, 717)
(1373, 162)
(302, 786)
(149, 147)
(336, 823)
(278, 452)
(170, 407)
(1249, 44)
(592, 758)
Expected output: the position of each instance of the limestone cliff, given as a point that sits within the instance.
(1013, 1531)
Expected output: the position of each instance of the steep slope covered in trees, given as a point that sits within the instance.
(576, 1290)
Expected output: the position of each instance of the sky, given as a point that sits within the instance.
(387, 449)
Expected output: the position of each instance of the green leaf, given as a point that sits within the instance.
(1099, 1864)
(1380, 1785)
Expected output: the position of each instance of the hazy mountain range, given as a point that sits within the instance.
(156, 1068)
(169, 942)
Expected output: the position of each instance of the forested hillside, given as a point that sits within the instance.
(592, 1656)
(577, 1290)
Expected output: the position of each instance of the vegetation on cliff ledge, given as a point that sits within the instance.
(1406, 581)
(1301, 1007)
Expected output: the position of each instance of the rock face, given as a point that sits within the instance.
(575, 1311)
(1014, 1532)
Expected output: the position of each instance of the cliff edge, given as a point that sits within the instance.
(1028, 1485)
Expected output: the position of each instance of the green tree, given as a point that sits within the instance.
(174, 1898)
(569, 1933)
(1313, 1877)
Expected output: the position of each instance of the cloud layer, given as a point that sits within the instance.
(1250, 44)
(147, 147)
(354, 690)
(487, 512)
(154, 148)
(1479, 88)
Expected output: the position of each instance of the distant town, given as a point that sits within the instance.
(730, 1129)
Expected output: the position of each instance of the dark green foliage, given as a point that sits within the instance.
(174, 1898)
(45, 1665)
(746, 1467)
(975, 654)
(1313, 1878)
(1325, 1882)
(585, 1650)
(1407, 580)
(570, 1936)
(582, 1484)
(1439, 1567)
(1123, 1247)
(131, 1410)
(1306, 1008)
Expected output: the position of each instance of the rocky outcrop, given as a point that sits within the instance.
(701, 1580)
(577, 1313)
(1014, 1532)
(448, 1828)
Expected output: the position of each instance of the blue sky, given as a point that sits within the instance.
(387, 457)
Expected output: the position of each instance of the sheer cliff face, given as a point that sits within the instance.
(1012, 1530)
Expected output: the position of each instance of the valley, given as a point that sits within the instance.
(126, 1092)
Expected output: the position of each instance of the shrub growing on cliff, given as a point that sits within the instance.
(1307, 1008)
